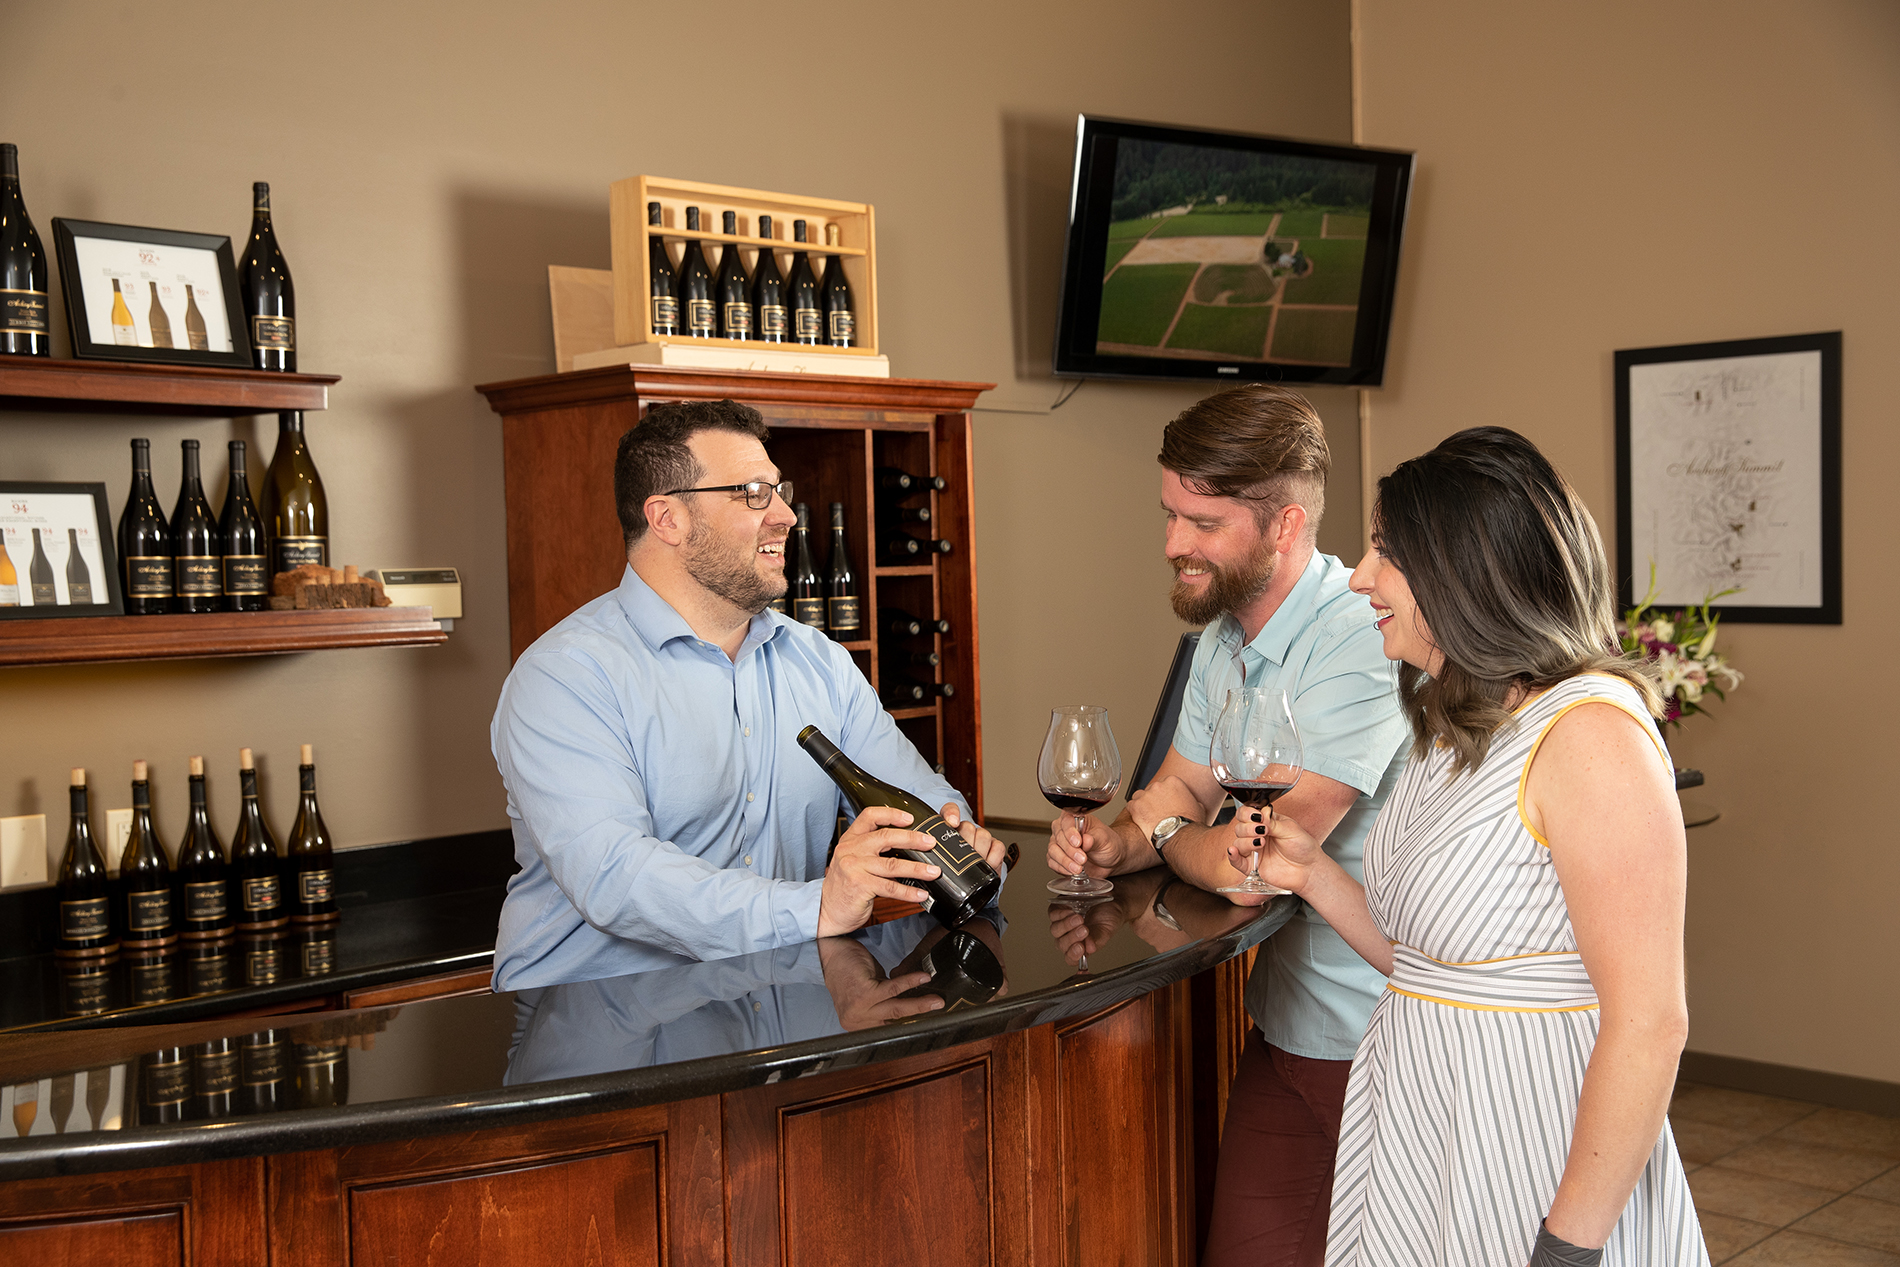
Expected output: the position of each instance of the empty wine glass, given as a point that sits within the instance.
(1079, 770)
(1256, 758)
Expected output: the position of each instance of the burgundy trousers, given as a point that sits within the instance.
(1273, 1187)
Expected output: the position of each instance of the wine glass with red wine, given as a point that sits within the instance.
(1256, 758)
(1079, 770)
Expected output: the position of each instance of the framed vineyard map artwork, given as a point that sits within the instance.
(1728, 477)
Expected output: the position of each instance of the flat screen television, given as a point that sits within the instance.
(1222, 255)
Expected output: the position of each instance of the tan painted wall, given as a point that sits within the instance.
(1621, 175)
(429, 161)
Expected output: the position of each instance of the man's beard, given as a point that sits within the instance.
(1226, 588)
(729, 572)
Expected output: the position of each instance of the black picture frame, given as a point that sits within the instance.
(70, 239)
(1825, 461)
(17, 499)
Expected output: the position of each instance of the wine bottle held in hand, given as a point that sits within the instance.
(1079, 771)
(308, 855)
(25, 326)
(1256, 758)
(965, 882)
(270, 299)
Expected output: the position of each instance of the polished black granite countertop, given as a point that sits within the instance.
(408, 910)
(324, 1080)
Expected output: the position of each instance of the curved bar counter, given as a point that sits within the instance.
(798, 1104)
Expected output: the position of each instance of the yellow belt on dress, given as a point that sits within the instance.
(1552, 982)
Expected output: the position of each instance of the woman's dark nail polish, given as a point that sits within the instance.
(1260, 830)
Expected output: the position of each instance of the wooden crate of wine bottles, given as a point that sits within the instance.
(635, 261)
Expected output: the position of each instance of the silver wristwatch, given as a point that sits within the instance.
(1164, 832)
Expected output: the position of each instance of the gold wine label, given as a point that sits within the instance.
(957, 855)
(289, 553)
(205, 901)
(262, 894)
(310, 1056)
(84, 920)
(85, 993)
(217, 1072)
(264, 964)
(772, 319)
(701, 316)
(167, 1082)
(313, 887)
(262, 1063)
(809, 611)
(245, 574)
(809, 324)
(198, 577)
(148, 577)
(23, 312)
(152, 982)
(666, 311)
(843, 326)
(739, 319)
(209, 976)
(842, 615)
(273, 333)
(319, 957)
(148, 912)
(778, 605)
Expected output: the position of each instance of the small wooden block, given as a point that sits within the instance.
(318, 597)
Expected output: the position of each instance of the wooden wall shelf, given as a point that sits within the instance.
(30, 382)
(101, 639)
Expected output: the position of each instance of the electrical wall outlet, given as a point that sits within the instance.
(118, 831)
(23, 850)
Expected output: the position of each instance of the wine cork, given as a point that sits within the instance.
(244, 759)
(350, 576)
(138, 772)
(79, 777)
(308, 754)
(198, 767)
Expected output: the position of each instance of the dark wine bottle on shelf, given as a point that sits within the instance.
(901, 624)
(214, 1079)
(801, 295)
(768, 292)
(732, 286)
(270, 300)
(296, 513)
(923, 661)
(263, 1072)
(145, 875)
(204, 875)
(896, 480)
(242, 542)
(965, 883)
(307, 853)
(195, 334)
(843, 621)
(197, 568)
(85, 893)
(158, 321)
(920, 689)
(898, 515)
(808, 593)
(937, 545)
(78, 575)
(256, 869)
(902, 548)
(145, 542)
(664, 299)
(164, 1086)
(39, 575)
(693, 284)
(903, 694)
(841, 322)
(25, 326)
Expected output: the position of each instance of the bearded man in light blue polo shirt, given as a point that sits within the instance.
(1243, 484)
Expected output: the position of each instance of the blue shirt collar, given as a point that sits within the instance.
(1296, 610)
(659, 623)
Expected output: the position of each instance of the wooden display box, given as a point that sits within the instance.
(857, 234)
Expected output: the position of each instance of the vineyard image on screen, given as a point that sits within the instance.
(1217, 254)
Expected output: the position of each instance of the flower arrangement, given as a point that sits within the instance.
(1683, 646)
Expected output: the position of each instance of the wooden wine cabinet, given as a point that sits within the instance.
(829, 433)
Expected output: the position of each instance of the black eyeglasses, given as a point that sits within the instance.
(758, 494)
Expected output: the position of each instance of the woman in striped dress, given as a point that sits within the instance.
(1524, 893)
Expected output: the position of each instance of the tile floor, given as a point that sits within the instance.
(1782, 1183)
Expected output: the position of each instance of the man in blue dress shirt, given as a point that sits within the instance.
(663, 811)
(1243, 483)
